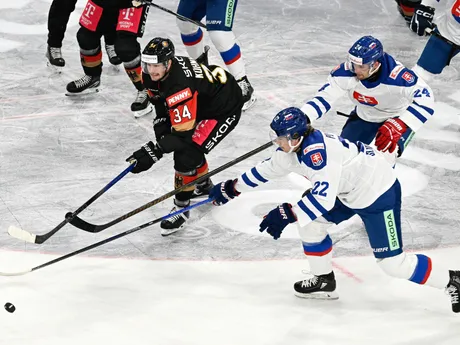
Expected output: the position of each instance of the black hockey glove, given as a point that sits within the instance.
(145, 157)
(422, 19)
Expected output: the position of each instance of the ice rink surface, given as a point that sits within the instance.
(219, 281)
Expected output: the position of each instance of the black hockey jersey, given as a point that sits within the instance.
(191, 92)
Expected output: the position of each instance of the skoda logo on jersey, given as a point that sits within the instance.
(366, 100)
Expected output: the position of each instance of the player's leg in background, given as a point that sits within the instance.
(110, 35)
(356, 129)
(187, 164)
(89, 35)
(58, 17)
(382, 221)
(317, 247)
(130, 27)
(435, 56)
(220, 15)
(191, 34)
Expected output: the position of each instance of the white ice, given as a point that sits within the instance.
(219, 281)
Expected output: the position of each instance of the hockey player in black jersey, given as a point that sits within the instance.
(196, 106)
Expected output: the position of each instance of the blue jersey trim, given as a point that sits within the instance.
(316, 203)
(416, 114)
(304, 208)
(248, 181)
(342, 72)
(318, 110)
(424, 107)
(257, 175)
(323, 102)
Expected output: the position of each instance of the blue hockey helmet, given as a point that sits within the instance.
(365, 51)
(291, 123)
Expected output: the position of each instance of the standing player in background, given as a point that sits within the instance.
(196, 106)
(219, 23)
(346, 177)
(104, 16)
(58, 18)
(443, 18)
(391, 101)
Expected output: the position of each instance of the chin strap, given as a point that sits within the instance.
(296, 146)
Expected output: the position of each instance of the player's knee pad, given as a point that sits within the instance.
(188, 159)
(399, 266)
(183, 178)
(88, 40)
(223, 40)
(127, 48)
(315, 231)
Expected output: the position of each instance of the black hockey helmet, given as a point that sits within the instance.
(158, 50)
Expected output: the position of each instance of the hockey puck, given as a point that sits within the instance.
(9, 307)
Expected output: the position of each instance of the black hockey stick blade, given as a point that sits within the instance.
(85, 226)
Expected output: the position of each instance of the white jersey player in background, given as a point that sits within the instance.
(346, 177)
(391, 102)
(443, 17)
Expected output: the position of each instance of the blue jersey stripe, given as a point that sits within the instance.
(428, 110)
(257, 175)
(323, 102)
(422, 270)
(414, 112)
(248, 181)
(306, 210)
(316, 203)
(318, 110)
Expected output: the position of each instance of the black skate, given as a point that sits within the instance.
(174, 223)
(453, 290)
(203, 58)
(112, 54)
(248, 92)
(317, 287)
(85, 85)
(54, 57)
(141, 106)
(202, 189)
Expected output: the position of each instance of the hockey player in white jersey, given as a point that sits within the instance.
(347, 178)
(391, 102)
(442, 19)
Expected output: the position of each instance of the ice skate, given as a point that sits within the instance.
(317, 287)
(85, 85)
(203, 58)
(55, 60)
(141, 105)
(248, 92)
(453, 290)
(112, 55)
(174, 223)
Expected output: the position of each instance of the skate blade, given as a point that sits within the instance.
(54, 69)
(144, 112)
(167, 232)
(86, 92)
(322, 295)
(249, 103)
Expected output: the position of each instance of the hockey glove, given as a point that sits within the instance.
(422, 19)
(145, 157)
(389, 133)
(277, 219)
(223, 192)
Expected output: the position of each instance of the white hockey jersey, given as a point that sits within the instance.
(447, 18)
(398, 92)
(336, 167)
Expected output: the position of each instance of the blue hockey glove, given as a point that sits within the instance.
(223, 192)
(422, 19)
(277, 219)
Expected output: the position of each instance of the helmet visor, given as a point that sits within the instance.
(150, 60)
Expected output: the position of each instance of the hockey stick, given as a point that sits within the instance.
(107, 240)
(342, 114)
(84, 225)
(39, 239)
(181, 17)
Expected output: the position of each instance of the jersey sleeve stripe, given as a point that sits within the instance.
(247, 181)
(315, 203)
(304, 208)
(326, 105)
(318, 249)
(427, 109)
(417, 114)
(318, 110)
(257, 175)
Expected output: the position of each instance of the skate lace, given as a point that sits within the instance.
(310, 282)
(141, 96)
(176, 217)
(55, 53)
(110, 49)
(83, 81)
(452, 291)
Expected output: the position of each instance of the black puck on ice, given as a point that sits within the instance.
(10, 308)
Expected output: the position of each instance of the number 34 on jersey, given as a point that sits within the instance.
(182, 109)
